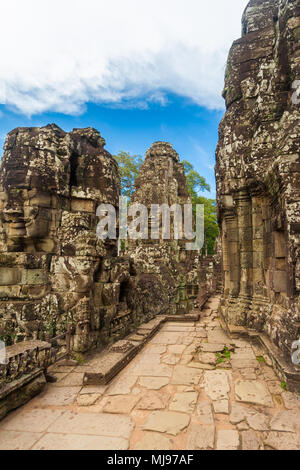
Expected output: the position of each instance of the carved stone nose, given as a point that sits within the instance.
(31, 212)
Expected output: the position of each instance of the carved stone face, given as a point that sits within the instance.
(26, 216)
(33, 175)
(51, 183)
(12, 213)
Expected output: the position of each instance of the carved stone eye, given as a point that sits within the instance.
(31, 211)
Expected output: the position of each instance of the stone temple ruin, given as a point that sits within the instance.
(56, 273)
(56, 276)
(258, 179)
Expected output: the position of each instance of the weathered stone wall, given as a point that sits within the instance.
(51, 262)
(54, 271)
(258, 174)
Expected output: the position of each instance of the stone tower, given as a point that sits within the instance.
(258, 175)
(50, 258)
(181, 273)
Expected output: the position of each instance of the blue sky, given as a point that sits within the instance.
(137, 71)
(190, 128)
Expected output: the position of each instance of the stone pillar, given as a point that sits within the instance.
(233, 253)
(261, 251)
(226, 265)
(241, 259)
(233, 259)
(244, 210)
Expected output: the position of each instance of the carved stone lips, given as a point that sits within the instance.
(17, 224)
(28, 222)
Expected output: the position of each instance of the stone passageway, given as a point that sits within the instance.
(191, 387)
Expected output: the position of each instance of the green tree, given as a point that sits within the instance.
(211, 228)
(129, 166)
(196, 184)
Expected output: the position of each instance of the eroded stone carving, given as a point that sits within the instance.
(257, 173)
(51, 183)
(54, 271)
(175, 279)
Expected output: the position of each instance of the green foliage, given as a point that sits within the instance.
(211, 227)
(129, 167)
(220, 358)
(260, 359)
(284, 385)
(79, 358)
(225, 354)
(196, 184)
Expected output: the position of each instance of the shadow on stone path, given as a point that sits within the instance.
(191, 387)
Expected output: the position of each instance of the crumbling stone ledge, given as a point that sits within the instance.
(22, 376)
(20, 391)
(118, 356)
(287, 372)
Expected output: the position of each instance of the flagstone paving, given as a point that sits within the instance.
(183, 391)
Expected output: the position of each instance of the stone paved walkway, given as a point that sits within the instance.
(181, 392)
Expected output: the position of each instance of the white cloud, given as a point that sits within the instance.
(60, 54)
